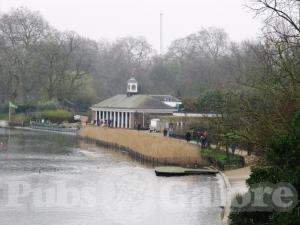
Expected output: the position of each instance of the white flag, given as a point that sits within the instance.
(12, 105)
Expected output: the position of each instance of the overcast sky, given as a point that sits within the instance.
(110, 19)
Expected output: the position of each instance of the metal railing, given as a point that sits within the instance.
(50, 127)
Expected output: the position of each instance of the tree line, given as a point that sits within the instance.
(253, 84)
(40, 63)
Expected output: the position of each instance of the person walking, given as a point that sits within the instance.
(188, 136)
(233, 147)
(165, 132)
(204, 137)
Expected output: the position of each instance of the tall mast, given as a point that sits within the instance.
(161, 35)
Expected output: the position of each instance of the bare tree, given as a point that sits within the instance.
(281, 17)
(20, 30)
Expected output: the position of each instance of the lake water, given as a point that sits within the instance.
(53, 179)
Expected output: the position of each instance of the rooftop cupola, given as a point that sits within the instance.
(132, 86)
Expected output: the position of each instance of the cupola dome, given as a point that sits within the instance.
(132, 86)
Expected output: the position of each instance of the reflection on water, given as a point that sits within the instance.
(51, 179)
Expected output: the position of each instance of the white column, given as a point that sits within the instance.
(126, 119)
(143, 120)
(130, 119)
(124, 114)
(110, 115)
(114, 120)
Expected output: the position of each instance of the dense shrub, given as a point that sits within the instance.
(55, 116)
(283, 160)
(34, 107)
(25, 108)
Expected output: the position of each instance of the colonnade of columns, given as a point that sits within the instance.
(115, 118)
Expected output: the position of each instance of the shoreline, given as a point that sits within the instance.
(42, 130)
(234, 180)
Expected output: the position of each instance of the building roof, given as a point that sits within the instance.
(166, 98)
(135, 102)
(132, 80)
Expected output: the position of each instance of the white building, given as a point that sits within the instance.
(133, 110)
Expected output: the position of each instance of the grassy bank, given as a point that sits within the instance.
(162, 148)
(223, 160)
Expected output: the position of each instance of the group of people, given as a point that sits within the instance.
(168, 132)
(200, 136)
(101, 122)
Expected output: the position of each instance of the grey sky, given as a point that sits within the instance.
(110, 19)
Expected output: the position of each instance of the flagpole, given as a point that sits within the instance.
(9, 111)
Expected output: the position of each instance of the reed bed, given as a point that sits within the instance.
(156, 147)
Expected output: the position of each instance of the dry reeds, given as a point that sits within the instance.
(157, 147)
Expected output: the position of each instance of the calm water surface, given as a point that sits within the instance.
(53, 179)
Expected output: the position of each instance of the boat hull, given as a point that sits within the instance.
(180, 171)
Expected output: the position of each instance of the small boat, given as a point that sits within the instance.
(168, 171)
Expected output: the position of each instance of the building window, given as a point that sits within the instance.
(133, 87)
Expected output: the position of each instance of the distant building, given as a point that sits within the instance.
(133, 110)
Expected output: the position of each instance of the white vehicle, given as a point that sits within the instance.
(155, 125)
(77, 117)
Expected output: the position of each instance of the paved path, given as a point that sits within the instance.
(237, 179)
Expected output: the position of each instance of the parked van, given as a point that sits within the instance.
(155, 125)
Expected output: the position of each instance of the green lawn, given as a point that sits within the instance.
(221, 156)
